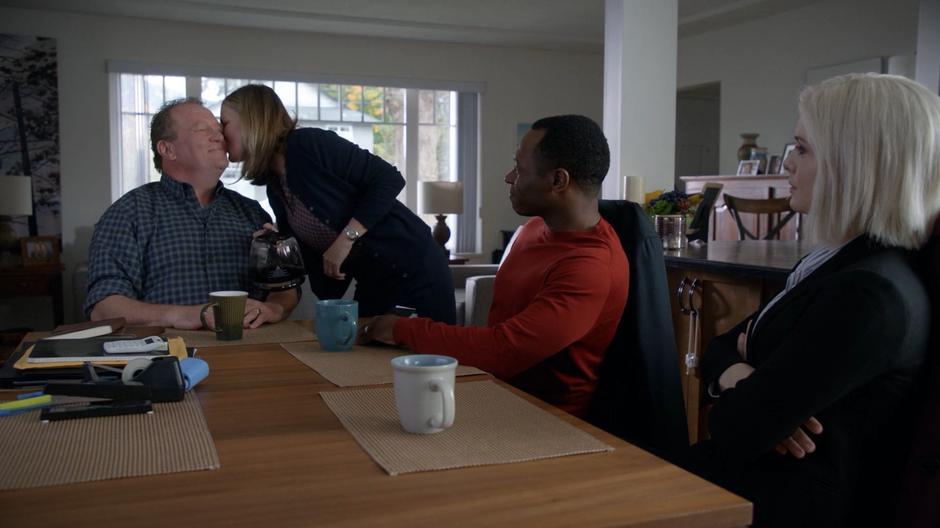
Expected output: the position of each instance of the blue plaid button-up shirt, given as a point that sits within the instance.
(157, 244)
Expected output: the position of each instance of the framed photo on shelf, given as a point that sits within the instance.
(40, 251)
(760, 154)
(773, 166)
(787, 149)
(748, 167)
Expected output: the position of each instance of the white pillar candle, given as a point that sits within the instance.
(633, 189)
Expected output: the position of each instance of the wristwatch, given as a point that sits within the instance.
(352, 234)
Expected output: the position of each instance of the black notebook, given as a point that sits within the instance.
(88, 349)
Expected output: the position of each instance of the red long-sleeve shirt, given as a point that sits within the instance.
(558, 299)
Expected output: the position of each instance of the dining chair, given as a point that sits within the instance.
(698, 228)
(772, 212)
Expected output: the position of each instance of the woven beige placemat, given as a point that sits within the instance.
(174, 438)
(356, 367)
(492, 426)
(282, 332)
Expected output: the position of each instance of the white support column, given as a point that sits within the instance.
(640, 47)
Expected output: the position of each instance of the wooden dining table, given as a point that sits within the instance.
(286, 460)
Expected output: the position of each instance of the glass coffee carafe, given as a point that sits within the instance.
(275, 263)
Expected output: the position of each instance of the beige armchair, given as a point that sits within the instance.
(473, 288)
(473, 292)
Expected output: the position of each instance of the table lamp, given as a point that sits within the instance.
(16, 199)
(440, 199)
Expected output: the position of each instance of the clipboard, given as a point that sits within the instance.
(176, 345)
(13, 378)
(10, 378)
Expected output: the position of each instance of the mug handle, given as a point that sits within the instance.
(350, 325)
(446, 388)
(202, 318)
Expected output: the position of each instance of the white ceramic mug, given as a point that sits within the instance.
(424, 392)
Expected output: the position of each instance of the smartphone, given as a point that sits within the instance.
(403, 311)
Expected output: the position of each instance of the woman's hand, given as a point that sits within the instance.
(733, 374)
(335, 255)
(799, 444)
(264, 228)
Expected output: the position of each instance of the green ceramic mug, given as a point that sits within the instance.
(228, 307)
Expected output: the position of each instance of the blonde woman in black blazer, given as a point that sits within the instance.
(814, 392)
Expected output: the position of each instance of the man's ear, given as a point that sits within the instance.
(166, 150)
(561, 180)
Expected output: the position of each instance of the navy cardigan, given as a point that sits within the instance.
(336, 180)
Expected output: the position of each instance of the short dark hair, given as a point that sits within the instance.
(577, 144)
(162, 126)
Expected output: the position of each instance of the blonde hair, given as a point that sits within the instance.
(877, 144)
(265, 124)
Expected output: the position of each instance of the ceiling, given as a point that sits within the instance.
(576, 25)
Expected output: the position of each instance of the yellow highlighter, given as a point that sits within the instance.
(25, 404)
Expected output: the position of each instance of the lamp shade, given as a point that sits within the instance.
(437, 197)
(16, 195)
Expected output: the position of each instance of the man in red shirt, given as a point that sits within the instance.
(560, 293)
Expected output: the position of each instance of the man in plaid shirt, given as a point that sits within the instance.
(160, 249)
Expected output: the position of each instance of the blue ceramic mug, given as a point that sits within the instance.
(336, 324)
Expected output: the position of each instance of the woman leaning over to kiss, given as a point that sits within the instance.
(815, 391)
(340, 202)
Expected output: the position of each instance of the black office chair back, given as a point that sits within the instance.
(776, 211)
(917, 504)
(639, 392)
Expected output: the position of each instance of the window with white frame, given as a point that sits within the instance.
(437, 135)
(141, 97)
(380, 119)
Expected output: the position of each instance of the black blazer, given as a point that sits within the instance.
(845, 345)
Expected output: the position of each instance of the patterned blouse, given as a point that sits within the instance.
(307, 227)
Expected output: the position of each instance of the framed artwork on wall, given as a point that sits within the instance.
(29, 128)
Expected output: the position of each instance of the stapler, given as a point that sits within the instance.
(143, 382)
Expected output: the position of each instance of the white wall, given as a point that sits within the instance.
(928, 45)
(761, 64)
(522, 85)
